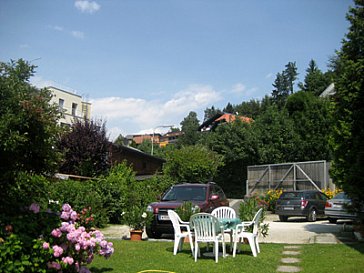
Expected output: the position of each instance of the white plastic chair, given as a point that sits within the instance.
(207, 230)
(225, 213)
(252, 237)
(180, 234)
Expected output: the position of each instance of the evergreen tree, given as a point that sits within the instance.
(315, 80)
(348, 112)
(210, 112)
(284, 84)
(229, 108)
(189, 127)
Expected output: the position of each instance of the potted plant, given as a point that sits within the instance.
(186, 210)
(137, 219)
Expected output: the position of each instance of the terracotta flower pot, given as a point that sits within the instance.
(136, 235)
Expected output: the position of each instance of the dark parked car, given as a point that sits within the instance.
(307, 203)
(337, 208)
(205, 196)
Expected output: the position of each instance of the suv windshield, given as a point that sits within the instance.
(185, 194)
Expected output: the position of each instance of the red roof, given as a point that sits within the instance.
(231, 118)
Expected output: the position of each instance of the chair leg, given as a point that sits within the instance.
(197, 250)
(176, 246)
(257, 244)
(216, 251)
(252, 246)
(235, 243)
(191, 243)
(224, 248)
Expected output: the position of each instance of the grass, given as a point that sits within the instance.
(132, 257)
(333, 258)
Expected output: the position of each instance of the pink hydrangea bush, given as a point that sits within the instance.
(72, 247)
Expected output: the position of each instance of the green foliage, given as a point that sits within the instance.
(348, 112)
(26, 189)
(28, 127)
(315, 80)
(249, 208)
(275, 137)
(15, 258)
(189, 127)
(80, 195)
(192, 164)
(283, 84)
(236, 143)
(86, 149)
(186, 210)
(312, 125)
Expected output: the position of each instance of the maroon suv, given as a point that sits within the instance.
(205, 196)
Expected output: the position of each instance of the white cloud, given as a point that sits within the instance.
(39, 82)
(74, 33)
(78, 34)
(133, 115)
(238, 88)
(87, 6)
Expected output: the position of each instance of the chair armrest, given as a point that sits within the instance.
(243, 225)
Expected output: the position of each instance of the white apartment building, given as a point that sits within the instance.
(71, 105)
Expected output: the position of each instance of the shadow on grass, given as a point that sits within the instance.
(100, 270)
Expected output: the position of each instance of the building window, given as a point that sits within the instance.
(60, 104)
(74, 109)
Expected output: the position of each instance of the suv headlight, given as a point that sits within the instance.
(149, 208)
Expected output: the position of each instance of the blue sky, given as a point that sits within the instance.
(145, 63)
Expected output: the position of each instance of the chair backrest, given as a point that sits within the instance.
(176, 220)
(256, 220)
(224, 212)
(206, 227)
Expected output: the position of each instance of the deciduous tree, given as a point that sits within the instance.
(85, 149)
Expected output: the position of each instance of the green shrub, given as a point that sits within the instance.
(247, 211)
(14, 257)
(80, 195)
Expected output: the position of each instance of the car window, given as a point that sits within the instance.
(185, 194)
(291, 195)
(322, 196)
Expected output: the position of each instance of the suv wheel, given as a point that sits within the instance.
(151, 234)
(312, 215)
(283, 218)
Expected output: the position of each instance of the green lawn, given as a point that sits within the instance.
(132, 257)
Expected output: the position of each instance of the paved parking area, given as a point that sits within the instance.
(295, 231)
(298, 231)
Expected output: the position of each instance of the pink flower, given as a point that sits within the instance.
(56, 233)
(58, 251)
(34, 207)
(65, 215)
(73, 216)
(68, 260)
(66, 208)
(45, 245)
